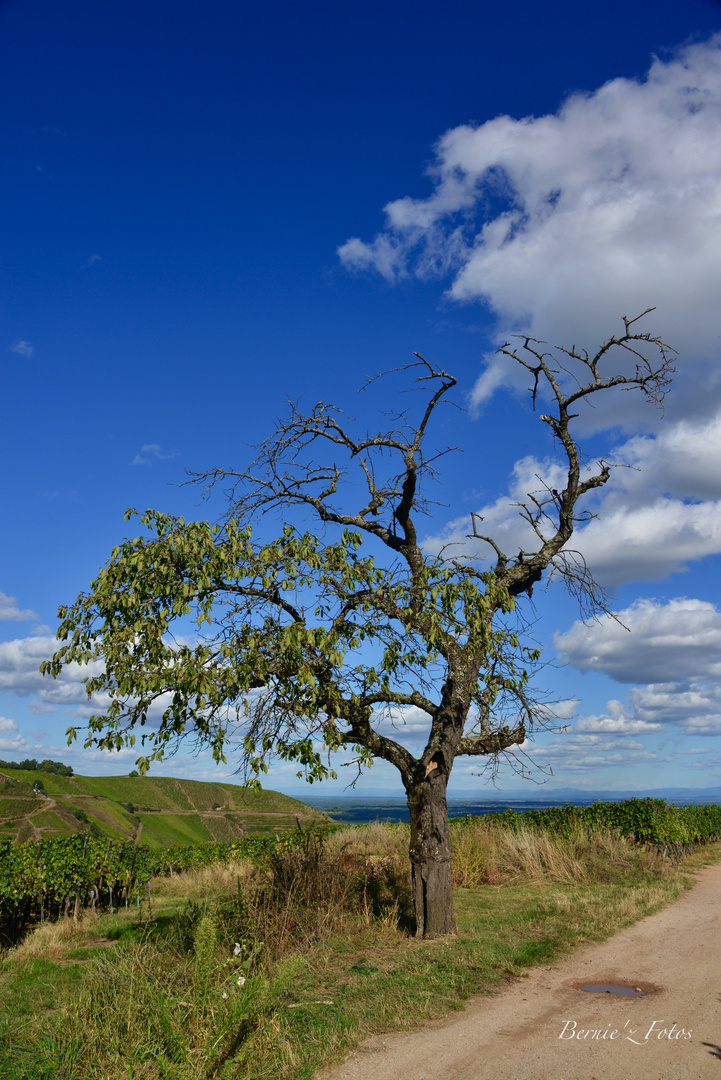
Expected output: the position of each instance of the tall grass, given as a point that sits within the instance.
(145, 1011)
(235, 971)
(486, 853)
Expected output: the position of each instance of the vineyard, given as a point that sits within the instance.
(46, 879)
(37, 804)
(651, 822)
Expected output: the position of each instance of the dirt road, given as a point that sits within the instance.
(544, 1027)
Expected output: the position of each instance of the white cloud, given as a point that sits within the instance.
(501, 519)
(23, 348)
(150, 452)
(403, 723)
(20, 661)
(694, 707)
(653, 517)
(585, 754)
(646, 543)
(565, 709)
(680, 459)
(610, 206)
(662, 512)
(124, 756)
(672, 651)
(38, 708)
(13, 741)
(616, 721)
(9, 610)
(14, 746)
(668, 642)
(19, 674)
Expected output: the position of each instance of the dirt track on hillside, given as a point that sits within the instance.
(534, 1029)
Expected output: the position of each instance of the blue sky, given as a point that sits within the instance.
(209, 211)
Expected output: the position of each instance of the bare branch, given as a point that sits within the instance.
(492, 743)
(286, 473)
(554, 519)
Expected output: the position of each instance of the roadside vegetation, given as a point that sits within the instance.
(270, 967)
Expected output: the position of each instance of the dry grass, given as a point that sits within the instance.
(372, 840)
(485, 853)
(620, 907)
(528, 856)
(53, 940)
(202, 884)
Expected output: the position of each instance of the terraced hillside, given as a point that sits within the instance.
(164, 811)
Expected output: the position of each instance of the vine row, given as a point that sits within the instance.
(651, 822)
(47, 878)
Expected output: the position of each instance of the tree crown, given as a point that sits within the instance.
(306, 635)
(311, 643)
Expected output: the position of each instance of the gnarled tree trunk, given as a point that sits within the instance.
(430, 852)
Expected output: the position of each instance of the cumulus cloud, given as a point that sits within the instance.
(501, 519)
(589, 752)
(680, 459)
(634, 542)
(411, 726)
(403, 723)
(559, 224)
(575, 756)
(672, 655)
(151, 452)
(23, 348)
(9, 610)
(16, 745)
(694, 707)
(610, 206)
(616, 721)
(660, 510)
(19, 674)
(12, 741)
(673, 641)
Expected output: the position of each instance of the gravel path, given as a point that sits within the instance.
(544, 1027)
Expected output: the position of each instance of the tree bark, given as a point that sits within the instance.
(430, 853)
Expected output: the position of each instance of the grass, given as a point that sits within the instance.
(319, 939)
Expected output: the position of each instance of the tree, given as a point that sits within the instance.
(314, 638)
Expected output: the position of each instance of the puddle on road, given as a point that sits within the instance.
(609, 988)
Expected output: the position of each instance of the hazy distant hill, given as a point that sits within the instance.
(165, 811)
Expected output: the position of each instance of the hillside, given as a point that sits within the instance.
(162, 811)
